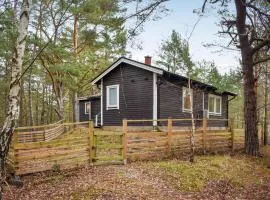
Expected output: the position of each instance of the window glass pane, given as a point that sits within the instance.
(218, 105)
(87, 107)
(211, 104)
(113, 96)
(187, 102)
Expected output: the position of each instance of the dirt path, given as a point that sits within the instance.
(100, 182)
(133, 181)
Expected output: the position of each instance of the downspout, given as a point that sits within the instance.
(155, 100)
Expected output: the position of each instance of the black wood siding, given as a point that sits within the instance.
(136, 98)
(135, 94)
(95, 109)
(170, 105)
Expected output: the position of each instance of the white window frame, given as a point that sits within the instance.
(85, 111)
(215, 107)
(108, 106)
(183, 98)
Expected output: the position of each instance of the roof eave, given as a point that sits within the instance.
(124, 60)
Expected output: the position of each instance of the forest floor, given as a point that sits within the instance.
(210, 177)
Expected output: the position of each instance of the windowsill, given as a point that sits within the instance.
(186, 111)
(215, 114)
(112, 108)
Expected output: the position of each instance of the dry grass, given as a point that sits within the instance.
(238, 171)
(265, 151)
(210, 177)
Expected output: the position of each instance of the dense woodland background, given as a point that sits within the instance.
(70, 42)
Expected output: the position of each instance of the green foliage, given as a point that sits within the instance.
(194, 176)
(174, 55)
(231, 81)
(56, 167)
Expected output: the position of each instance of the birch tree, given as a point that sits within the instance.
(14, 93)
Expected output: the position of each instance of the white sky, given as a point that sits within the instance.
(182, 19)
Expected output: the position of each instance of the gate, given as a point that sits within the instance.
(108, 147)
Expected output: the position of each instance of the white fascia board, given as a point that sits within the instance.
(124, 60)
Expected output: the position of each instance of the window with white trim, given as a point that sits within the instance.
(87, 108)
(187, 101)
(214, 104)
(112, 94)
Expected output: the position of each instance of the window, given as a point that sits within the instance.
(112, 92)
(87, 107)
(214, 104)
(186, 99)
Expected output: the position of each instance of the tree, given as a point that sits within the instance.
(14, 93)
(249, 32)
(174, 55)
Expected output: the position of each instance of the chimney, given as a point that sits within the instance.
(147, 60)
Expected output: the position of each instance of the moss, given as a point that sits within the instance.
(195, 176)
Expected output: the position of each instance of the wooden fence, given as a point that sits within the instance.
(40, 133)
(174, 141)
(76, 147)
(81, 145)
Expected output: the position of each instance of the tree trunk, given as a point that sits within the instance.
(75, 107)
(30, 100)
(14, 93)
(193, 130)
(75, 47)
(250, 110)
(42, 115)
(22, 113)
(250, 95)
(60, 100)
(37, 106)
(265, 132)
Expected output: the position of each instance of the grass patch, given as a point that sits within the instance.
(90, 193)
(238, 171)
(265, 151)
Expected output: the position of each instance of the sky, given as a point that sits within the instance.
(182, 19)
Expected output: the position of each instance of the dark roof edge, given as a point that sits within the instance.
(89, 97)
(165, 71)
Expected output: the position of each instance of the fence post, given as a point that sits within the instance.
(124, 140)
(90, 139)
(204, 131)
(232, 133)
(169, 135)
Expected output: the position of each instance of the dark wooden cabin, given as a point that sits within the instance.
(135, 90)
(89, 108)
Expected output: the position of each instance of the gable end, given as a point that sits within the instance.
(131, 62)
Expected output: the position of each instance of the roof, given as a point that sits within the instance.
(93, 97)
(128, 61)
(157, 70)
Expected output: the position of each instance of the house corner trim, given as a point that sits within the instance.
(155, 100)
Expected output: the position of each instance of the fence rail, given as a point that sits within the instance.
(171, 140)
(81, 144)
(40, 133)
(77, 146)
